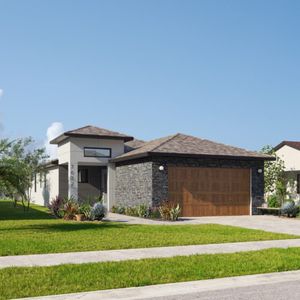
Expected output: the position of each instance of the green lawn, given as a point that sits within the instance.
(37, 232)
(38, 281)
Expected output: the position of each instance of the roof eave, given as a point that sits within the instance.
(131, 157)
(64, 136)
(280, 145)
(191, 155)
(58, 139)
(95, 136)
(269, 158)
(50, 164)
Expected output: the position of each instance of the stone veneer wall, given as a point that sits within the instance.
(141, 181)
(133, 184)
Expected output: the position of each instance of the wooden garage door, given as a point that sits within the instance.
(210, 191)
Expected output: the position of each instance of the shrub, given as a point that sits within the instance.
(289, 208)
(273, 201)
(118, 210)
(86, 210)
(154, 213)
(121, 210)
(168, 211)
(56, 206)
(174, 213)
(131, 211)
(90, 200)
(164, 210)
(70, 209)
(142, 210)
(98, 211)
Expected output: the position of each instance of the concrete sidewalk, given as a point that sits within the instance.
(186, 290)
(133, 254)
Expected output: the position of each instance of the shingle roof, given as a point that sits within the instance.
(134, 144)
(185, 145)
(293, 144)
(91, 131)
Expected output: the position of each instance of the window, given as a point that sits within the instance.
(83, 176)
(97, 152)
(298, 183)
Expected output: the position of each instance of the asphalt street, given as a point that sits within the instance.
(277, 291)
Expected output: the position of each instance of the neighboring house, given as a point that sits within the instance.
(289, 152)
(204, 177)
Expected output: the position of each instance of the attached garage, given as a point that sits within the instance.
(210, 191)
(205, 178)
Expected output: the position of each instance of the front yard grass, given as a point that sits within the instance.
(36, 232)
(39, 281)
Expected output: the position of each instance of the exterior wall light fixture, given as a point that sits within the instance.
(161, 168)
(259, 171)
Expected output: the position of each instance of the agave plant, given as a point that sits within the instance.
(98, 211)
(289, 208)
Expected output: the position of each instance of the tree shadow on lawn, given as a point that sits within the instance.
(71, 226)
(9, 212)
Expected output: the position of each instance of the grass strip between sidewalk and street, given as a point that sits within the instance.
(39, 281)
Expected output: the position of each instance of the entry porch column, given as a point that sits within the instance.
(73, 180)
(111, 185)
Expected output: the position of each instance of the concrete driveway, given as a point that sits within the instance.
(265, 222)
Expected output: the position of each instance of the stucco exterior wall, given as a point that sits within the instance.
(73, 150)
(291, 158)
(71, 154)
(47, 187)
(63, 152)
(132, 178)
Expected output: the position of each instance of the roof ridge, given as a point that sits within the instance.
(167, 140)
(78, 128)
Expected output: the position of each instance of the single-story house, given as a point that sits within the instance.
(289, 152)
(206, 178)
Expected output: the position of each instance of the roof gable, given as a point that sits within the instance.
(293, 144)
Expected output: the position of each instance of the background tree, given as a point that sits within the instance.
(20, 161)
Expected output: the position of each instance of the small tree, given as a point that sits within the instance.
(19, 162)
(275, 178)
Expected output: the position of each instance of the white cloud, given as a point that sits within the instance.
(54, 130)
(1, 125)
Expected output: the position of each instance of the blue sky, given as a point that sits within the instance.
(227, 70)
